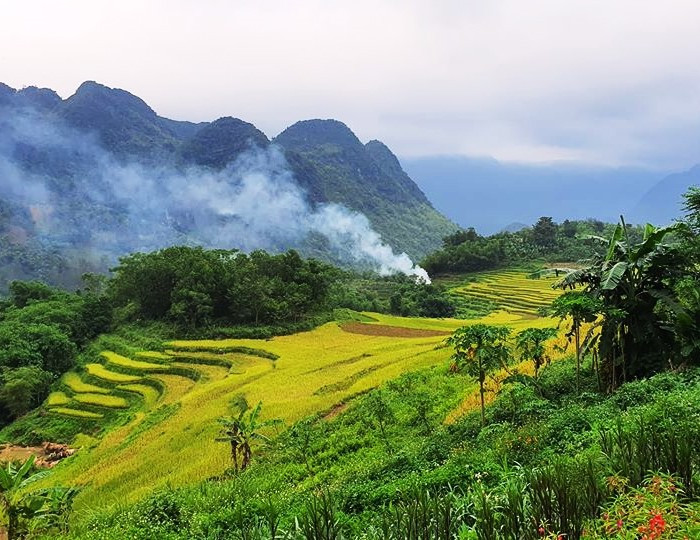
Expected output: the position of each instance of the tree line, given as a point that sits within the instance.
(42, 329)
(194, 287)
(468, 251)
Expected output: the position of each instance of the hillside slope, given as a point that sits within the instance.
(160, 407)
(334, 166)
(102, 174)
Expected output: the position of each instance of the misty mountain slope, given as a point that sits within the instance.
(100, 174)
(664, 202)
(334, 166)
(216, 144)
(124, 123)
(488, 195)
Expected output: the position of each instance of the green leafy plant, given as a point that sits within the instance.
(531, 344)
(18, 506)
(480, 349)
(241, 431)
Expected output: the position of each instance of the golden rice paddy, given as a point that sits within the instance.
(294, 376)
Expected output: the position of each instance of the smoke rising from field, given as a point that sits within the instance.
(119, 206)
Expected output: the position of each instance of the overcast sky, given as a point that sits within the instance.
(608, 82)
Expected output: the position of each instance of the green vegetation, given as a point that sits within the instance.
(31, 512)
(467, 251)
(480, 350)
(550, 458)
(390, 427)
(530, 343)
(241, 431)
(397, 294)
(193, 287)
(42, 330)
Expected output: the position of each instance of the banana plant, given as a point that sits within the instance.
(628, 281)
(241, 431)
(16, 504)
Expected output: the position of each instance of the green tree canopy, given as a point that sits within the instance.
(479, 350)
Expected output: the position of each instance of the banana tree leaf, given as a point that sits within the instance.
(616, 237)
(613, 276)
(652, 239)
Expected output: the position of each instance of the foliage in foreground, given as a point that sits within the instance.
(29, 513)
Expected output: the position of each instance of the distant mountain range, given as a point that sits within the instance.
(493, 196)
(664, 201)
(101, 172)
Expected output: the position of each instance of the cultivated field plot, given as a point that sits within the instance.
(174, 396)
(511, 291)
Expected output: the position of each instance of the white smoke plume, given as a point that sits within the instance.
(254, 203)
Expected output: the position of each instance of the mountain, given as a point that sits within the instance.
(334, 166)
(101, 174)
(216, 144)
(488, 194)
(664, 201)
(515, 227)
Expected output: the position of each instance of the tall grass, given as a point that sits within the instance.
(424, 516)
(645, 446)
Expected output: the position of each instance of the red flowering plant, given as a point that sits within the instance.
(654, 511)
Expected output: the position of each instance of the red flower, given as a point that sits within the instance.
(619, 524)
(541, 531)
(657, 523)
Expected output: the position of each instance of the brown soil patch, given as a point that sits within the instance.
(335, 411)
(46, 455)
(390, 331)
(9, 452)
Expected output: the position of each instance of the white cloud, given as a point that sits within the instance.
(610, 82)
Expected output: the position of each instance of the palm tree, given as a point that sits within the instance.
(480, 349)
(530, 342)
(241, 431)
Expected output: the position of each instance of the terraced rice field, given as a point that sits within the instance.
(107, 376)
(511, 291)
(173, 397)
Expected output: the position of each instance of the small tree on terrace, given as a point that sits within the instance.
(480, 349)
(581, 308)
(531, 344)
